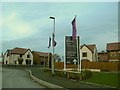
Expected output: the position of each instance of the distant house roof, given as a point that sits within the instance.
(113, 46)
(90, 47)
(18, 50)
(41, 53)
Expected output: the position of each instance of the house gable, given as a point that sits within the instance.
(7, 52)
(89, 52)
(86, 48)
(86, 53)
(90, 47)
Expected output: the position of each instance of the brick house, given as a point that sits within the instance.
(17, 56)
(89, 53)
(41, 58)
(103, 56)
(113, 50)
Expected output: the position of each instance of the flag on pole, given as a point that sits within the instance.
(54, 42)
(74, 29)
(49, 42)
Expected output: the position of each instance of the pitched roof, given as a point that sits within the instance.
(18, 50)
(41, 53)
(90, 47)
(113, 46)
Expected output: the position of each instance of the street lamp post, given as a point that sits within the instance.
(53, 37)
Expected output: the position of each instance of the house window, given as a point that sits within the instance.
(84, 54)
(20, 55)
(6, 62)
(98, 58)
(28, 56)
(111, 54)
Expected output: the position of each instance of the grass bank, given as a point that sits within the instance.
(67, 83)
(105, 78)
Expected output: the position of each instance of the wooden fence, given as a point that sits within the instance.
(103, 66)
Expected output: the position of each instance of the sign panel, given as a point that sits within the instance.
(70, 50)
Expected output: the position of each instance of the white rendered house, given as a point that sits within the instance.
(17, 56)
(88, 53)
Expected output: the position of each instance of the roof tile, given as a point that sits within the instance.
(41, 53)
(18, 50)
(113, 46)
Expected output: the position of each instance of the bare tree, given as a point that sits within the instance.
(57, 58)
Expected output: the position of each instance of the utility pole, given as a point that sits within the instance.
(53, 37)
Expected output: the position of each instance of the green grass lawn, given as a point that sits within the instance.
(110, 79)
(103, 78)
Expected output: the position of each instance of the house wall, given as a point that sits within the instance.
(39, 59)
(89, 53)
(14, 57)
(114, 55)
(36, 59)
(6, 58)
(103, 57)
(25, 57)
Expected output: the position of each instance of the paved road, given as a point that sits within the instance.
(12, 78)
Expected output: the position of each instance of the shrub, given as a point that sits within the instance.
(83, 76)
(60, 74)
(86, 74)
(46, 69)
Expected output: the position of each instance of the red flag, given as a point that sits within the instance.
(49, 42)
(73, 29)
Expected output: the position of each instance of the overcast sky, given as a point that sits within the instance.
(27, 24)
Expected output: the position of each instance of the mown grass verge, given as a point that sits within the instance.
(104, 78)
(64, 82)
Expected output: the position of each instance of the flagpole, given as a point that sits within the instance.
(80, 61)
(77, 46)
(65, 57)
(78, 53)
